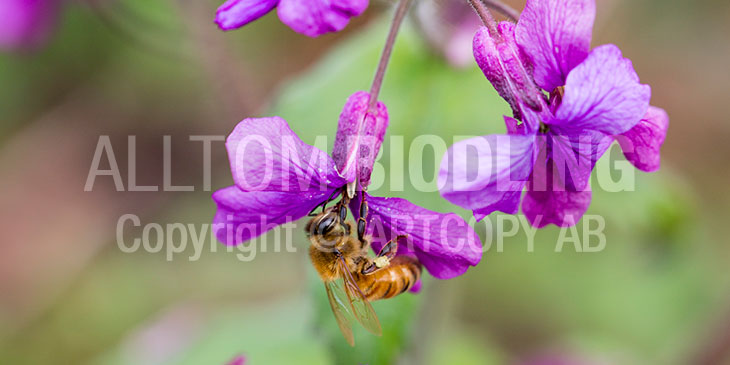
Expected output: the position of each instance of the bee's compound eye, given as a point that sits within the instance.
(326, 224)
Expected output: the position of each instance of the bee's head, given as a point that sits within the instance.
(326, 230)
(325, 224)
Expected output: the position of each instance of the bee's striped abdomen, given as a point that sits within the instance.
(402, 273)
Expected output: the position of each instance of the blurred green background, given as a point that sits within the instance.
(658, 293)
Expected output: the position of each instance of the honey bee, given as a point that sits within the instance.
(337, 255)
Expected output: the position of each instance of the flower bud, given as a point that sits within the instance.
(507, 69)
(360, 134)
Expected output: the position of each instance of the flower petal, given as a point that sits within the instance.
(556, 36)
(514, 126)
(641, 144)
(503, 65)
(234, 14)
(316, 17)
(243, 215)
(266, 155)
(574, 156)
(553, 205)
(444, 243)
(359, 137)
(416, 288)
(487, 173)
(603, 94)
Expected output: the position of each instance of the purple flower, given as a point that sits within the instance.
(238, 360)
(279, 178)
(27, 24)
(448, 26)
(309, 17)
(552, 143)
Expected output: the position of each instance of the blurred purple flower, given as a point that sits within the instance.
(552, 144)
(27, 24)
(448, 26)
(309, 17)
(279, 178)
(238, 360)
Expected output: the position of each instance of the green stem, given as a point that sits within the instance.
(486, 16)
(400, 13)
(504, 9)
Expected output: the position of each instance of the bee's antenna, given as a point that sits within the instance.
(324, 203)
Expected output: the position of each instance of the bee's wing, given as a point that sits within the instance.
(338, 303)
(361, 308)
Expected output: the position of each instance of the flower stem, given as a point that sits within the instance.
(504, 9)
(486, 17)
(400, 13)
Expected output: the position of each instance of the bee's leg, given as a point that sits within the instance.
(343, 213)
(312, 213)
(362, 221)
(386, 254)
(366, 243)
(390, 248)
(347, 226)
(341, 209)
(322, 204)
(362, 224)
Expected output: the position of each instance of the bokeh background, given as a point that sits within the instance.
(658, 293)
